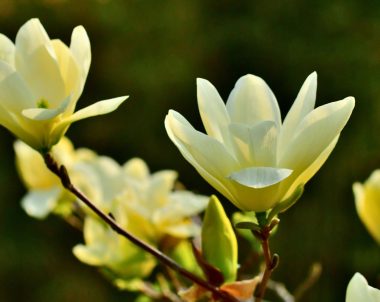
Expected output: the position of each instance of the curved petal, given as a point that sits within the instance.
(7, 50)
(252, 101)
(213, 111)
(174, 123)
(255, 145)
(32, 36)
(358, 290)
(99, 108)
(136, 168)
(39, 203)
(14, 94)
(260, 177)
(303, 104)
(81, 50)
(297, 179)
(69, 69)
(367, 201)
(42, 114)
(40, 70)
(315, 133)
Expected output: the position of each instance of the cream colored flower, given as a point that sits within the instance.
(251, 156)
(144, 204)
(40, 83)
(44, 188)
(367, 200)
(358, 290)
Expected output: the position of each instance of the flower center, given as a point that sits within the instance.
(42, 103)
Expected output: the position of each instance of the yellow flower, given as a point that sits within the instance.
(249, 155)
(44, 188)
(367, 200)
(40, 83)
(358, 290)
(143, 204)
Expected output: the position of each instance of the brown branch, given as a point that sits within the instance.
(61, 172)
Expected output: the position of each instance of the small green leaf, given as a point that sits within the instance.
(219, 244)
(247, 225)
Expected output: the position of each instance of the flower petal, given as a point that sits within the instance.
(252, 101)
(303, 104)
(42, 114)
(39, 203)
(81, 50)
(318, 129)
(136, 168)
(37, 65)
(358, 290)
(7, 50)
(255, 145)
(69, 69)
(213, 111)
(178, 129)
(14, 94)
(260, 177)
(99, 108)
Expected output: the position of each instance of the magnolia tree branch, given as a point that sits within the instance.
(61, 172)
(271, 261)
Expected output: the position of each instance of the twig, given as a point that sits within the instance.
(271, 261)
(61, 172)
(311, 279)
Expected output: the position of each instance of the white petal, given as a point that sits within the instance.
(357, 290)
(41, 72)
(31, 36)
(42, 114)
(318, 129)
(213, 111)
(136, 168)
(69, 69)
(14, 94)
(260, 177)
(175, 124)
(253, 101)
(255, 145)
(303, 104)
(99, 108)
(7, 50)
(39, 203)
(297, 179)
(81, 50)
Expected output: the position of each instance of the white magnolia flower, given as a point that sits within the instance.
(44, 188)
(251, 156)
(40, 83)
(367, 200)
(358, 290)
(144, 204)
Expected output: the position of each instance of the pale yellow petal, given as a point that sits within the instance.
(303, 104)
(253, 101)
(7, 50)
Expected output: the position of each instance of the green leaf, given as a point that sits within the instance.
(219, 244)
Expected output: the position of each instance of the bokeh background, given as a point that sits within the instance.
(154, 51)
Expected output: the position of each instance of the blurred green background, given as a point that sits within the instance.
(153, 51)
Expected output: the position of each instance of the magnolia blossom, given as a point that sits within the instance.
(358, 290)
(45, 190)
(251, 156)
(40, 83)
(147, 207)
(367, 200)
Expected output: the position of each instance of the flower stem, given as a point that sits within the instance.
(61, 172)
(271, 261)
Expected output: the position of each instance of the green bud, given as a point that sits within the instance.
(219, 244)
